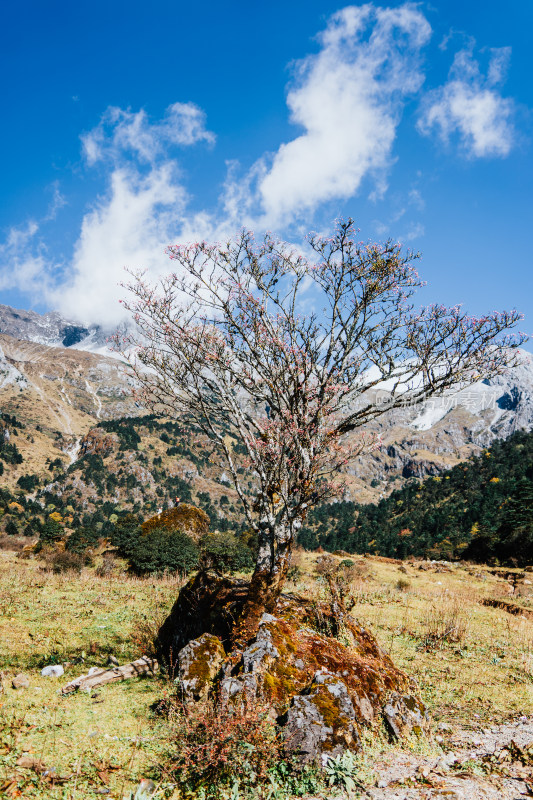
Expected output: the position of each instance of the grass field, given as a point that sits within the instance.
(474, 664)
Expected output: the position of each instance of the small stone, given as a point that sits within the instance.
(20, 681)
(267, 618)
(114, 661)
(52, 671)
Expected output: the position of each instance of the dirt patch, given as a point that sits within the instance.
(511, 608)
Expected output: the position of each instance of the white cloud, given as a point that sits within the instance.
(23, 262)
(123, 131)
(416, 199)
(415, 231)
(348, 99)
(141, 211)
(130, 227)
(58, 201)
(470, 105)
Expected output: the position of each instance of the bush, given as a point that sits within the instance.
(225, 552)
(219, 746)
(402, 584)
(126, 534)
(81, 539)
(162, 550)
(64, 561)
(28, 482)
(51, 532)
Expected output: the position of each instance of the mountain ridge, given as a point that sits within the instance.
(67, 390)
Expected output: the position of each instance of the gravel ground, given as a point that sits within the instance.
(485, 764)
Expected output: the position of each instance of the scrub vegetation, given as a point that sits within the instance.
(473, 663)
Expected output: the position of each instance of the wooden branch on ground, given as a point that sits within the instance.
(142, 666)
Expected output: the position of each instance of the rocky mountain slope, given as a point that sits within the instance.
(60, 392)
(53, 330)
(71, 434)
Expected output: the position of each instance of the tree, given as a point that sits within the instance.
(227, 341)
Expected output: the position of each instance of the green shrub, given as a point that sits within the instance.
(162, 550)
(51, 532)
(225, 552)
(126, 534)
(81, 539)
(28, 482)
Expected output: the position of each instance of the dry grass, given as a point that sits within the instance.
(474, 664)
(108, 739)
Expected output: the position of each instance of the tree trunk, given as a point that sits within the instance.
(143, 666)
(272, 564)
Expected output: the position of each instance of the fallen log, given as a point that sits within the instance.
(142, 666)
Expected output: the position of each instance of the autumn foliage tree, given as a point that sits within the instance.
(293, 356)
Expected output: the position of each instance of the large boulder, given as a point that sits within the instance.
(322, 689)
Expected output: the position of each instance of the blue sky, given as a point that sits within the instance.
(128, 126)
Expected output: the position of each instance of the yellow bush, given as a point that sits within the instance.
(186, 518)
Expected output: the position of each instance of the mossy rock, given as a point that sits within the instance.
(322, 722)
(198, 666)
(322, 690)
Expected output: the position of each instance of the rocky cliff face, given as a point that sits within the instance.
(424, 440)
(58, 394)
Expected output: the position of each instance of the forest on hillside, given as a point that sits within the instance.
(482, 510)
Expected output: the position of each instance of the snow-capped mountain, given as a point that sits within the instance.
(53, 330)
